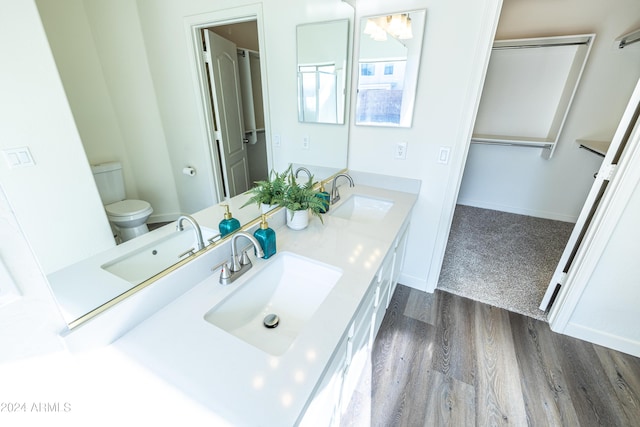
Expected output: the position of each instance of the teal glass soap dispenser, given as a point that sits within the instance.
(266, 237)
(229, 224)
(322, 194)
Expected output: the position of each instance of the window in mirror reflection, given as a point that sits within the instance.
(380, 90)
(319, 97)
(322, 68)
(390, 48)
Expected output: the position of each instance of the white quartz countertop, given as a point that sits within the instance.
(77, 295)
(239, 383)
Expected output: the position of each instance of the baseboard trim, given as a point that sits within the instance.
(170, 217)
(413, 282)
(603, 338)
(518, 210)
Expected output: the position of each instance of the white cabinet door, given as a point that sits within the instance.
(325, 404)
(398, 261)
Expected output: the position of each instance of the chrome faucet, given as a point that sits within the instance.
(335, 195)
(239, 264)
(194, 225)
(303, 169)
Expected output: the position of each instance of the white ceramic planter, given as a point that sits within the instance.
(265, 208)
(297, 220)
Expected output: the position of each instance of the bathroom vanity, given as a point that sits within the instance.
(211, 343)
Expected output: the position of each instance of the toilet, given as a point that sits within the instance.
(128, 217)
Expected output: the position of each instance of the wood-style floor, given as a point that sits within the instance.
(444, 360)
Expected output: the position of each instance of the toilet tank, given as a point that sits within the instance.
(109, 180)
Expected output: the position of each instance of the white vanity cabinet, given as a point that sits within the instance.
(312, 382)
(352, 355)
(400, 247)
(323, 409)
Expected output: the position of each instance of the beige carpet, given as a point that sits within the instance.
(502, 259)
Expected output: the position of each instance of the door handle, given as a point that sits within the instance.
(245, 140)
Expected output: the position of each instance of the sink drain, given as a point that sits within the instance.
(271, 321)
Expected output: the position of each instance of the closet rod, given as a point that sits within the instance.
(529, 46)
(626, 42)
(515, 144)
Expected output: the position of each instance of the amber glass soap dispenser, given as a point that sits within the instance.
(229, 224)
(266, 237)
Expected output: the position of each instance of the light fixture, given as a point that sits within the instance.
(398, 26)
(375, 28)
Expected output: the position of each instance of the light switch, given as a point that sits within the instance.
(18, 157)
(443, 155)
(13, 159)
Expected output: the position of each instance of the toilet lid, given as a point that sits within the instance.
(127, 207)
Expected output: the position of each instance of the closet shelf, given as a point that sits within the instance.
(595, 146)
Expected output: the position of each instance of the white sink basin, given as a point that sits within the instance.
(290, 286)
(362, 208)
(142, 263)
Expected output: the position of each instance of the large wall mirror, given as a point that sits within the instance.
(322, 68)
(134, 97)
(388, 62)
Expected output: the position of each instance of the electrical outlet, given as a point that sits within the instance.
(276, 141)
(443, 155)
(401, 151)
(305, 142)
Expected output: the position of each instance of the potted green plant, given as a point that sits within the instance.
(300, 201)
(266, 194)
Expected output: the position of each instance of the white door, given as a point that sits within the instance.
(600, 187)
(222, 60)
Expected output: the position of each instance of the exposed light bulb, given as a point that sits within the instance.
(379, 35)
(395, 25)
(371, 27)
(407, 32)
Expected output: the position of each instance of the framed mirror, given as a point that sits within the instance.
(322, 70)
(388, 63)
(99, 82)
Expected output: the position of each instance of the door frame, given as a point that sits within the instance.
(622, 183)
(603, 185)
(193, 26)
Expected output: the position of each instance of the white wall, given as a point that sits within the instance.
(29, 324)
(78, 63)
(324, 44)
(454, 56)
(107, 81)
(56, 200)
(34, 113)
(516, 179)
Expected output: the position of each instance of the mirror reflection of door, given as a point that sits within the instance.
(236, 139)
(224, 83)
